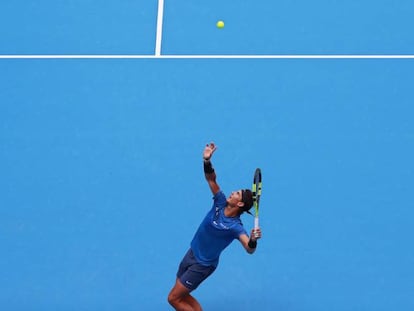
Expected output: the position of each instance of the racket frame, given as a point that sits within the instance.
(257, 192)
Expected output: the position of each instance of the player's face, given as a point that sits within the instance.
(235, 198)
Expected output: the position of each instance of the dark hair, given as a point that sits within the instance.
(247, 199)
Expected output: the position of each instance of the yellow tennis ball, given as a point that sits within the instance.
(220, 24)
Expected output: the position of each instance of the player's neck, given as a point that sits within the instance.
(231, 211)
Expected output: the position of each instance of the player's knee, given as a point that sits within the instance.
(172, 299)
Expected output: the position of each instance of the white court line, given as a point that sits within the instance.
(160, 17)
(115, 56)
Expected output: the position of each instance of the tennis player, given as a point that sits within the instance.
(219, 228)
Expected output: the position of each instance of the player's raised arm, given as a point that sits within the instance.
(209, 172)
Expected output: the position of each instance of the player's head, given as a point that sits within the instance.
(247, 200)
(242, 199)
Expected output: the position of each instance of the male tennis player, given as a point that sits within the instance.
(219, 228)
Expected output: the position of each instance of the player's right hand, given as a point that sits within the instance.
(209, 150)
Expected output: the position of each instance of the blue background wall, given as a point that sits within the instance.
(101, 179)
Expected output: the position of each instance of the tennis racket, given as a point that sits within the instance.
(257, 192)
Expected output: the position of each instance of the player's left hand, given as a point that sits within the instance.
(256, 234)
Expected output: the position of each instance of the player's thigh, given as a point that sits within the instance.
(195, 275)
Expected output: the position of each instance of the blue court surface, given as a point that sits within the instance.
(101, 183)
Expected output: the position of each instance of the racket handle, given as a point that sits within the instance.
(256, 225)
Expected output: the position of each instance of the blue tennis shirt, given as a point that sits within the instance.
(215, 232)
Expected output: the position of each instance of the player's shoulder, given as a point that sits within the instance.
(219, 195)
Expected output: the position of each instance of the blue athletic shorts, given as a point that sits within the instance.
(191, 273)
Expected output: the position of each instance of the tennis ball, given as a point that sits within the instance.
(220, 24)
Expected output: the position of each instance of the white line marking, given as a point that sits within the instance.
(160, 17)
(115, 56)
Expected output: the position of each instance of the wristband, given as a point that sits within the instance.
(208, 167)
(252, 244)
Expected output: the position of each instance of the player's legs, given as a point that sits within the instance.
(194, 303)
(190, 275)
(181, 300)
